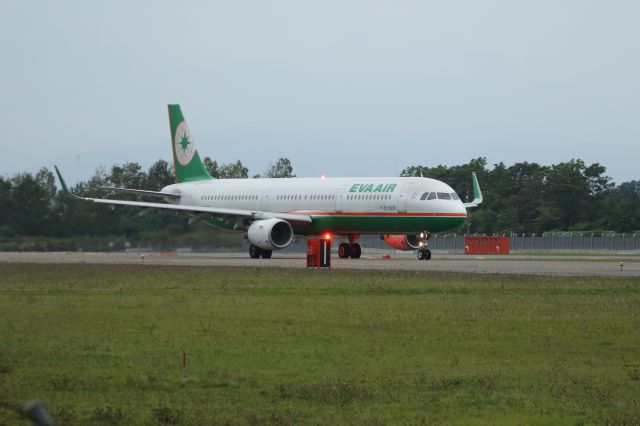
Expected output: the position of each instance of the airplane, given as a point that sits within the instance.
(404, 211)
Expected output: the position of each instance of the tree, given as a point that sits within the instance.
(212, 167)
(281, 169)
(32, 201)
(160, 174)
(7, 226)
(128, 175)
(233, 171)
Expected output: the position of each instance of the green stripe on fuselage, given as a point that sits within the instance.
(380, 224)
(363, 224)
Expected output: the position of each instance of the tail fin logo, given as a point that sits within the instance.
(183, 145)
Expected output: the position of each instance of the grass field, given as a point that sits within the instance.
(102, 344)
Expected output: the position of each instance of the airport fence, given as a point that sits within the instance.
(526, 243)
(567, 242)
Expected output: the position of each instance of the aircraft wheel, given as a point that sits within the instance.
(254, 252)
(344, 251)
(266, 254)
(356, 251)
(420, 255)
(427, 254)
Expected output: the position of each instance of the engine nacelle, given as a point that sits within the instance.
(270, 234)
(404, 242)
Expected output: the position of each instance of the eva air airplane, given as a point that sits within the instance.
(403, 210)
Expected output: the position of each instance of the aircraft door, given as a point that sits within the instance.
(264, 205)
(340, 199)
(407, 194)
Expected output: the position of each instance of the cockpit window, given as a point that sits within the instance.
(443, 196)
(432, 196)
(454, 196)
(424, 196)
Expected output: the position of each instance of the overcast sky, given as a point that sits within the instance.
(342, 88)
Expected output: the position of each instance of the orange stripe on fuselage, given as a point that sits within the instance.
(382, 214)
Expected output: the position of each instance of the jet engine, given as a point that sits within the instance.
(404, 242)
(270, 234)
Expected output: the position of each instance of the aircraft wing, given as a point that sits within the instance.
(251, 214)
(254, 214)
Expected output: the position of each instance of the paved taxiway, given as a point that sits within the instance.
(515, 264)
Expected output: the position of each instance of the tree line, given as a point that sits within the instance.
(533, 198)
(523, 198)
(32, 206)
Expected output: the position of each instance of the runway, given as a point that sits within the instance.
(513, 264)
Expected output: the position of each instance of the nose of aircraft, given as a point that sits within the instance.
(460, 208)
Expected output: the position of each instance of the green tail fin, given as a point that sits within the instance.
(186, 160)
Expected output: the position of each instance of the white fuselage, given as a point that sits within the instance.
(330, 195)
(397, 200)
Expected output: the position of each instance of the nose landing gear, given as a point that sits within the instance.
(424, 254)
(423, 241)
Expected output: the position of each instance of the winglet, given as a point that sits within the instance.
(477, 193)
(65, 189)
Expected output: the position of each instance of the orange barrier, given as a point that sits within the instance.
(486, 245)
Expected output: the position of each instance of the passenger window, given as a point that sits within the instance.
(443, 196)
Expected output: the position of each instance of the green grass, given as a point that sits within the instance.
(101, 345)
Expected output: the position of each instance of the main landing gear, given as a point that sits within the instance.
(256, 252)
(351, 249)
